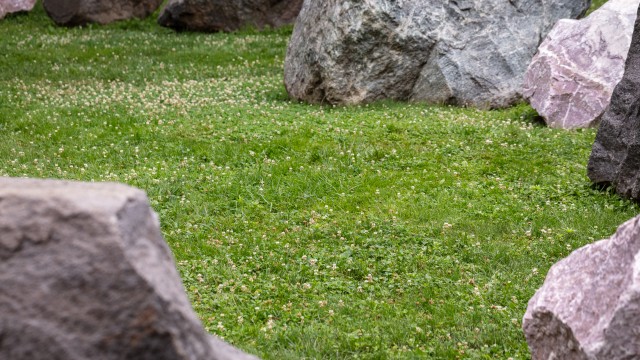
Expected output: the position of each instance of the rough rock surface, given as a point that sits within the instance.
(464, 52)
(225, 15)
(571, 78)
(85, 274)
(589, 305)
(615, 156)
(13, 6)
(81, 12)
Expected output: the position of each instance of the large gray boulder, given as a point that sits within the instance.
(14, 6)
(85, 274)
(226, 15)
(463, 52)
(615, 156)
(571, 78)
(82, 12)
(589, 305)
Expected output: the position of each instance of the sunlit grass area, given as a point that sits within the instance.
(387, 230)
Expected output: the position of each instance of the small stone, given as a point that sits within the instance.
(82, 12)
(85, 274)
(227, 15)
(571, 78)
(615, 156)
(589, 305)
(14, 6)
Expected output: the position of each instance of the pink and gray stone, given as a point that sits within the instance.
(82, 12)
(615, 156)
(85, 274)
(462, 52)
(14, 6)
(571, 78)
(589, 305)
(227, 15)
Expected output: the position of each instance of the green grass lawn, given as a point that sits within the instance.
(301, 231)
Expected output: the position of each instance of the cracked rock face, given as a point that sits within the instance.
(589, 305)
(571, 78)
(85, 274)
(228, 15)
(615, 156)
(463, 52)
(14, 6)
(82, 12)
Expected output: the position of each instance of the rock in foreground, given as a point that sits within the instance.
(615, 156)
(225, 15)
(14, 6)
(85, 274)
(464, 52)
(571, 78)
(81, 12)
(589, 305)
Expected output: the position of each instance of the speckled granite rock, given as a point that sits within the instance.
(228, 15)
(589, 305)
(14, 6)
(615, 156)
(85, 274)
(571, 78)
(81, 12)
(464, 52)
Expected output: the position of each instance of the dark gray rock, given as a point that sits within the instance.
(226, 15)
(589, 305)
(615, 156)
(14, 6)
(85, 274)
(571, 78)
(465, 52)
(81, 12)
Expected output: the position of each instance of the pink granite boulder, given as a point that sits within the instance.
(589, 305)
(13, 6)
(571, 78)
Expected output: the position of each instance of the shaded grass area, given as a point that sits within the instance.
(381, 231)
(595, 4)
